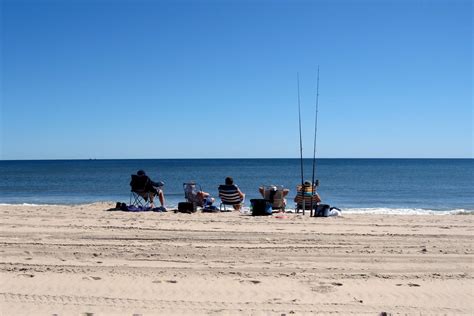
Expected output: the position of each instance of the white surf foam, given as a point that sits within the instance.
(401, 211)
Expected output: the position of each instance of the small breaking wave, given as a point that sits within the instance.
(388, 211)
(399, 211)
(406, 211)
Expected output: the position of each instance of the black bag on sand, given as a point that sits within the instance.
(260, 207)
(186, 207)
(322, 210)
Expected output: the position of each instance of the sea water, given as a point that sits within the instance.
(404, 186)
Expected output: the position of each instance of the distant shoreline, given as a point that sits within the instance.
(349, 211)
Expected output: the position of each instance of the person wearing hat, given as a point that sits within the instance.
(305, 193)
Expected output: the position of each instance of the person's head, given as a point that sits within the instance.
(273, 188)
(307, 183)
(141, 172)
(229, 181)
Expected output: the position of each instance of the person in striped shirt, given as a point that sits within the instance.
(230, 194)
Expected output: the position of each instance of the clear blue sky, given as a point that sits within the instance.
(197, 79)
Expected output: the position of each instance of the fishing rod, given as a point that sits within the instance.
(301, 138)
(313, 185)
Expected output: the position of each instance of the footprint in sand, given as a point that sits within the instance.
(413, 284)
(92, 278)
(250, 281)
(325, 288)
(409, 284)
(27, 275)
(322, 289)
(358, 300)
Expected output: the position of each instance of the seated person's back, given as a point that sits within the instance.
(141, 183)
(194, 194)
(305, 193)
(147, 188)
(275, 195)
(231, 194)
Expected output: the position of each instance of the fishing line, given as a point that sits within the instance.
(315, 143)
(301, 137)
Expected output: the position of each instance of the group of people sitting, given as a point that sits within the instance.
(229, 193)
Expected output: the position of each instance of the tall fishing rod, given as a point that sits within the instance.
(314, 144)
(301, 137)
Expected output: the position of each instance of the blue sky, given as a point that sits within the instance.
(198, 79)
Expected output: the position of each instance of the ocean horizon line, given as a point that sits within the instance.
(247, 158)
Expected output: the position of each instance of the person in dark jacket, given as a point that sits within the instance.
(155, 188)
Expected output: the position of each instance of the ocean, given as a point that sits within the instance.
(391, 186)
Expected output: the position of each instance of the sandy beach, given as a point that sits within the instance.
(87, 260)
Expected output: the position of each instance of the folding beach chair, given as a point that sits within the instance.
(191, 190)
(304, 197)
(229, 196)
(274, 195)
(141, 190)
